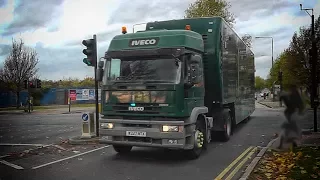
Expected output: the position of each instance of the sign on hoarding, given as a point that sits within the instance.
(73, 95)
(83, 94)
(91, 94)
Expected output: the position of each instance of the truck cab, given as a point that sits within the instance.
(153, 81)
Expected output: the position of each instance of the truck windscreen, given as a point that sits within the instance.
(153, 70)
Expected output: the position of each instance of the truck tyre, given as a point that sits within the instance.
(225, 135)
(199, 140)
(122, 149)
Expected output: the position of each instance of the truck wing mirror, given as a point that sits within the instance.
(100, 71)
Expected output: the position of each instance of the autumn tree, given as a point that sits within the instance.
(247, 39)
(87, 82)
(209, 8)
(19, 65)
(295, 60)
(259, 83)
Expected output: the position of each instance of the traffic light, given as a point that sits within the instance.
(38, 83)
(25, 83)
(31, 85)
(91, 51)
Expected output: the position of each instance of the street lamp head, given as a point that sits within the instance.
(263, 37)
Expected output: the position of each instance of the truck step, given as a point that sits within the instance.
(209, 122)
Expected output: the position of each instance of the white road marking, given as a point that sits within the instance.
(10, 164)
(3, 156)
(53, 162)
(8, 144)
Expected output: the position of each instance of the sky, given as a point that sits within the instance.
(56, 28)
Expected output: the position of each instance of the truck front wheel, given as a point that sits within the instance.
(122, 149)
(199, 140)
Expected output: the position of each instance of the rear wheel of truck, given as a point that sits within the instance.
(199, 140)
(122, 149)
(226, 134)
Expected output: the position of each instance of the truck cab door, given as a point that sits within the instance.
(194, 82)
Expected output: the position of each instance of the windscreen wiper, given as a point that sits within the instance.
(157, 81)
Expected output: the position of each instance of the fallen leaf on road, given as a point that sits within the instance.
(268, 175)
(314, 176)
(303, 171)
(281, 178)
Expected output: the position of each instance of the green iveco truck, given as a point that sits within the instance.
(175, 85)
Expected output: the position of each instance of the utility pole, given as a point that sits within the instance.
(264, 37)
(313, 61)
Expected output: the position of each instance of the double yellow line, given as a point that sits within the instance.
(237, 168)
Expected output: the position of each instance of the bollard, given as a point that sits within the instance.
(88, 125)
(69, 103)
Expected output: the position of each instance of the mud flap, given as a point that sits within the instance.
(219, 120)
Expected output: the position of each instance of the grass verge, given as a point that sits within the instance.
(301, 163)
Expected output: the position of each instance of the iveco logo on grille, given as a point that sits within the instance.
(143, 42)
(136, 108)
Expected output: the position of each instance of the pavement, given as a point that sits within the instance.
(46, 153)
(54, 110)
(276, 104)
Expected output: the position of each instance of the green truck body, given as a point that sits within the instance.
(169, 87)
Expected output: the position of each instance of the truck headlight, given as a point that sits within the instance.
(166, 128)
(106, 125)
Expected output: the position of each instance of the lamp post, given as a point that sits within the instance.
(313, 61)
(269, 37)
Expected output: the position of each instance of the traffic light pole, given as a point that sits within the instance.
(314, 74)
(280, 82)
(29, 108)
(96, 84)
(313, 61)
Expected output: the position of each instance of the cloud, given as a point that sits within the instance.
(4, 49)
(3, 3)
(30, 16)
(6, 11)
(137, 11)
(57, 28)
(101, 37)
(246, 9)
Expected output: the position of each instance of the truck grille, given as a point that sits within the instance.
(149, 108)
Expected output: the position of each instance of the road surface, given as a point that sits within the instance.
(101, 162)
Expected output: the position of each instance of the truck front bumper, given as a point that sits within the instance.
(151, 134)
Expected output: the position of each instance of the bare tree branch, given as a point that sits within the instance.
(19, 65)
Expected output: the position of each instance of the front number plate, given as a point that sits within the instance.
(136, 133)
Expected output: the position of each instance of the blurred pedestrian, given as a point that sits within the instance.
(291, 133)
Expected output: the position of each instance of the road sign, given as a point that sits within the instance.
(85, 117)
